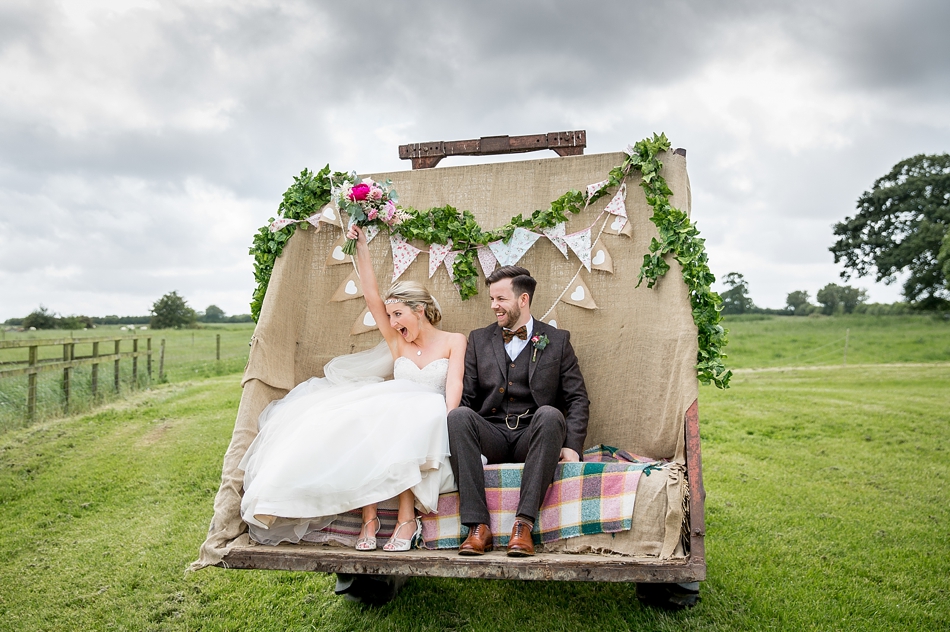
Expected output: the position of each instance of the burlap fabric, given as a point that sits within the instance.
(637, 350)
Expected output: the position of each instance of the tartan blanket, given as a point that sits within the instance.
(596, 495)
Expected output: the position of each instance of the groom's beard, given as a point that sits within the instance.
(510, 317)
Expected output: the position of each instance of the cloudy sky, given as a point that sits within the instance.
(142, 143)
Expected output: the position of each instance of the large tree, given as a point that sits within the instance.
(843, 298)
(172, 311)
(900, 226)
(736, 299)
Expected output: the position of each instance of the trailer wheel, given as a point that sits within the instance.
(372, 590)
(669, 596)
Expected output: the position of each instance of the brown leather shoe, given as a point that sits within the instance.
(520, 544)
(477, 542)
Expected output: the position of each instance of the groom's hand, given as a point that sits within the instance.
(568, 456)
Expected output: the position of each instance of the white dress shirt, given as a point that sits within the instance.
(517, 345)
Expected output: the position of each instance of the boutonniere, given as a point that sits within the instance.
(538, 342)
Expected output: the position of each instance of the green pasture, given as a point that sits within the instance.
(827, 509)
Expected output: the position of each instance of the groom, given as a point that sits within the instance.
(523, 401)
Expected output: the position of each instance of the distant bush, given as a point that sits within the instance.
(41, 318)
(884, 309)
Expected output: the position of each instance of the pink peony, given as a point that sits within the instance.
(359, 192)
(390, 210)
(375, 193)
(372, 213)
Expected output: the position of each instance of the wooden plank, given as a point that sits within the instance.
(427, 155)
(697, 493)
(115, 374)
(49, 365)
(95, 371)
(31, 387)
(448, 563)
(55, 342)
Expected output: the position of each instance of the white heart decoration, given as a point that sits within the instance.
(617, 223)
(350, 287)
(338, 253)
(368, 320)
(599, 258)
(577, 294)
(328, 213)
(553, 323)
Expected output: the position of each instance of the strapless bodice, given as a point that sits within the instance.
(433, 374)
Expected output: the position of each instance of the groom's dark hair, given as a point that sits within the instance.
(521, 280)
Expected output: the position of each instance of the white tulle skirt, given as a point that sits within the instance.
(328, 448)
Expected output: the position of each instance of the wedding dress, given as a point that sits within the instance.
(349, 439)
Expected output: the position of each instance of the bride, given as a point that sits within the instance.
(351, 439)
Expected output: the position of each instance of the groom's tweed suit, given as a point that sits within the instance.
(550, 387)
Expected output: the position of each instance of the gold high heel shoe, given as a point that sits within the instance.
(368, 543)
(398, 544)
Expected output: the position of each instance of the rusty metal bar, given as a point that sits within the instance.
(427, 155)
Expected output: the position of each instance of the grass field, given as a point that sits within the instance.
(827, 509)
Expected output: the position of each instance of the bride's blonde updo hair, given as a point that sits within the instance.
(416, 297)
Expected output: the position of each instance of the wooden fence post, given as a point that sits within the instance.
(161, 362)
(218, 343)
(148, 357)
(68, 352)
(135, 363)
(31, 386)
(95, 372)
(115, 377)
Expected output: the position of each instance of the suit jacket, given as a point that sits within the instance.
(554, 377)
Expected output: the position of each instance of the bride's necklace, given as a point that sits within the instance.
(418, 351)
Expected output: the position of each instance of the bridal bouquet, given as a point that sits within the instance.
(367, 203)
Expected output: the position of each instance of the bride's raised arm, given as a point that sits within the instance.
(364, 267)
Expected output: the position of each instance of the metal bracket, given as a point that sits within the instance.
(428, 155)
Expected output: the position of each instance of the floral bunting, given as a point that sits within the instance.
(579, 294)
(349, 289)
(616, 205)
(437, 253)
(597, 186)
(370, 231)
(511, 253)
(551, 318)
(404, 254)
(619, 226)
(486, 258)
(556, 235)
(277, 224)
(329, 215)
(579, 242)
(600, 258)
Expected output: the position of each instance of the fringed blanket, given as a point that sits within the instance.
(594, 496)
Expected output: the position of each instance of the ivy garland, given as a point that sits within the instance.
(679, 237)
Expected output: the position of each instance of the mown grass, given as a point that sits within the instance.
(827, 509)
(770, 341)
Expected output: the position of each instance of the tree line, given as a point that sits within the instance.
(171, 311)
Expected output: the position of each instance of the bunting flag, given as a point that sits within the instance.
(404, 254)
(277, 224)
(594, 188)
(437, 253)
(616, 205)
(601, 259)
(365, 322)
(350, 288)
(619, 226)
(337, 256)
(579, 294)
(487, 260)
(330, 215)
(370, 231)
(552, 319)
(556, 235)
(579, 242)
(509, 254)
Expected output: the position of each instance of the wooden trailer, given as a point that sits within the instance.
(637, 347)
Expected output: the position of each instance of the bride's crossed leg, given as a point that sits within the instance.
(407, 526)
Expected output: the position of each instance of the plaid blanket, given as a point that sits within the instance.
(594, 496)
